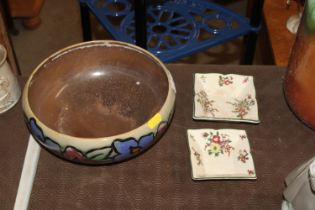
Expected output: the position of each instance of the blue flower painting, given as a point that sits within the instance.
(130, 147)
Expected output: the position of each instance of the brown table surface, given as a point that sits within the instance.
(161, 177)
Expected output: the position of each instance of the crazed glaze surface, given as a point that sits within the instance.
(99, 102)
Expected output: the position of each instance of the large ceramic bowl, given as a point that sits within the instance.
(99, 102)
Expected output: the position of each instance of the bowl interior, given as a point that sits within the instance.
(97, 90)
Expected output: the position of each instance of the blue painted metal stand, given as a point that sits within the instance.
(175, 28)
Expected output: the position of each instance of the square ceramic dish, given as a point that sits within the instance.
(228, 97)
(220, 154)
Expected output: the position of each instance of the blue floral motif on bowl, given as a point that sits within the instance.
(119, 150)
(131, 147)
(38, 134)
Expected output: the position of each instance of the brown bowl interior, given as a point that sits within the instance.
(97, 91)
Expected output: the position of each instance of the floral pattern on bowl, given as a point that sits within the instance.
(118, 150)
(225, 98)
(220, 154)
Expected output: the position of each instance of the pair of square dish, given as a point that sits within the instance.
(224, 153)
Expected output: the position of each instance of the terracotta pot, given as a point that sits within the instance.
(299, 85)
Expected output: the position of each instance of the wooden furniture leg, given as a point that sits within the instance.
(29, 10)
(32, 22)
(254, 11)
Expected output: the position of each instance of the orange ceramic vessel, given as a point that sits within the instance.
(299, 83)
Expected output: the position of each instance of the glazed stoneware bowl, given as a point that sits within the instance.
(99, 102)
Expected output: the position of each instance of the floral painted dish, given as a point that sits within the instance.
(220, 154)
(228, 97)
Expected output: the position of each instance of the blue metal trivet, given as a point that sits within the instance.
(176, 28)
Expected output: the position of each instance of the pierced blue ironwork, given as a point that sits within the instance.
(175, 28)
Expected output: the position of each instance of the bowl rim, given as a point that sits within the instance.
(66, 138)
